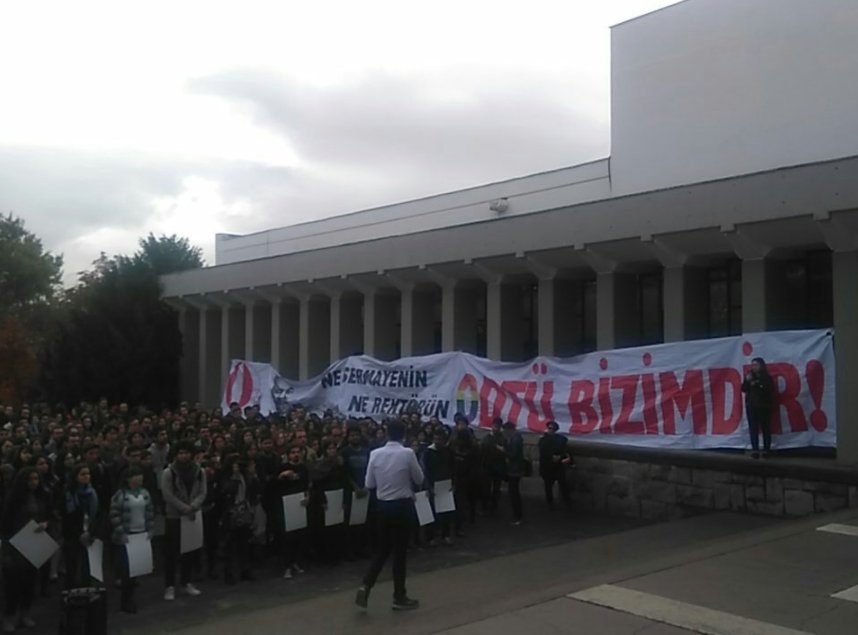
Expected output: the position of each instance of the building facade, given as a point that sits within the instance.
(729, 204)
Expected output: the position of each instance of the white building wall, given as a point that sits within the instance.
(525, 195)
(708, 89)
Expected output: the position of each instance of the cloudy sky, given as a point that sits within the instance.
(118, 119)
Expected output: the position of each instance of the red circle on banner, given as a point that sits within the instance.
(535, 368)
(647, 359)
(603, 364)
(246, 384)
(544, 369)
(747, 348)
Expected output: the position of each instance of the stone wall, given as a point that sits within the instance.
(664, 484)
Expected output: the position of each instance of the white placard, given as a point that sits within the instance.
(191, 533)
(37, 547)
(294, 513)
(139, 551)
(334, 513)
(444, 501)
(360, 507)
(95, 555)
(424, 509)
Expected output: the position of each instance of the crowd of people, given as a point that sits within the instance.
(109, 472)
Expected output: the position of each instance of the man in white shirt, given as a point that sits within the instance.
(393, 472)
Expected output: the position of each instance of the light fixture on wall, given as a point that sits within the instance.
(499, 205)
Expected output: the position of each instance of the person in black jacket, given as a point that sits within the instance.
(493, 465)
(80, 512)
(25, 501)
(466, 476)
(554, 459)
(291, 480)
(239, 490)
(516, 467)
(439, 465)
(327, 475)
(759, 405)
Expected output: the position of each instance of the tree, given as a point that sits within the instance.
(29, 275)
(119, 340)
(29, 281)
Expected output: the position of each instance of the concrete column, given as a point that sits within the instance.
(290, 353)
(685, 303)
(248, 331)
(617, 312)
(188, 324)
(202, 356)
(304, 339)
(379, 325)
(351, 325)
(387, 326)
(262, 333)
(275, 333)
(754, 305)
(765, 305)
(545, 316)
(319, 351)
(512, 334)
(845, 292)
(568, 311)
(423, 319)
(459, 318)
(406, 321)
(448, 317)
(224, 344)
(336, 350)
(369, 299)
(212, 390)
(494, 311)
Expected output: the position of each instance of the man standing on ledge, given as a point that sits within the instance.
(393, 472)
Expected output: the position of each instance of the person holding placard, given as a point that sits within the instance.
(79, 513)
(328, 476)
(291, 480)
(183, 486)
(131, 512)
(393, 472)
(439, 465)
(25, 502)
(355, 459)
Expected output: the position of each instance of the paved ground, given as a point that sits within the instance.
(727, 574)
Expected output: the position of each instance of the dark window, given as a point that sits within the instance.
(808, 291)
(530, 325)
(725, 299)
(651, 308)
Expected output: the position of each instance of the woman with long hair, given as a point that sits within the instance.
(26, 501)
(239, 491)
(759, 405)
(51, 487)
(79, 512)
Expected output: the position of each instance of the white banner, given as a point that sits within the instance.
(680, 395)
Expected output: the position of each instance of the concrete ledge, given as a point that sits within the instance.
(659, 484)
(783, 466)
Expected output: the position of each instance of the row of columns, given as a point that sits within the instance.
(301, 335)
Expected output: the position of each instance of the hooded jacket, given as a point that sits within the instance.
(177, 496)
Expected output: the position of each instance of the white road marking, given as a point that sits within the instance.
(691, 617)
(837, 528)
(850, 594)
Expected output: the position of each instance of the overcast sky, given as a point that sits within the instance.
(118, 119)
